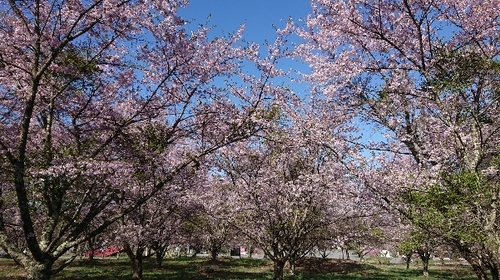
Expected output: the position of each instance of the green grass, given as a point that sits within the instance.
(249, 269)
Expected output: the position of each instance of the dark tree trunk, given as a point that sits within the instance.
(494, 273)
(425, 269)
(477, 267)
(480, 273)
(196, 250)
(137, 266)
(91, 244)
(408, 259)
(278, 269)
(476, 263)
(159, 255)
(213, 254)
(136, 258)
(91, 254)
(425, 256)
(324, 255)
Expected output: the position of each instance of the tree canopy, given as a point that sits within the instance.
(118, 120)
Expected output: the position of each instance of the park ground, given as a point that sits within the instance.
(250, 269)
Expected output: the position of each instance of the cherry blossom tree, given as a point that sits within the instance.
(280, 217)
(212, 220)
(365, 231)
(289, 183)
(153, 225)
(168, 233)
(94, 93)
(425, 73)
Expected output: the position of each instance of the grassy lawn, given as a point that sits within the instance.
(250, 269)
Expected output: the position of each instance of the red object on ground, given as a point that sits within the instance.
(107, 252)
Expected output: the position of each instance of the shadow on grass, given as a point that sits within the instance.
(327, 269)
(231, 268)
(241, 269)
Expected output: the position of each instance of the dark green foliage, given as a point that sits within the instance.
(459, 70)
(449, 209)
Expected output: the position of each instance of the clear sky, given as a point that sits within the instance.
(259, 16)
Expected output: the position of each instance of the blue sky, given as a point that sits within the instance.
(259, 16)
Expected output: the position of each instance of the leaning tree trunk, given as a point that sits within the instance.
(492, 264)
(477, 267)
(475, 261)
(480, 273)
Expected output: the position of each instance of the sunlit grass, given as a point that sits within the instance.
(249, 269)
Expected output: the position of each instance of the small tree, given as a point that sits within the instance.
(285, 193)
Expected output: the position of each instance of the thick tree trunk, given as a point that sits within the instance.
(476, 263)
(214, 252)
(492, 266)
(38, 271)
(136, 258)
(137, 267)
(480, 273)
(278, 269)
(477, 267)
(425, 256)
